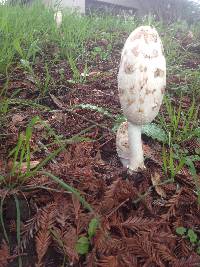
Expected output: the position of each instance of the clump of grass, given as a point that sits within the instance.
(22, 31)
(180, 125)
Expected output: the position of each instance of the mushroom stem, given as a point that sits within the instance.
(136, 157)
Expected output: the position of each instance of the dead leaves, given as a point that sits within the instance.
(156, 181)
(66, 241)
(118, 192)
(111, 261)
(140, 224)
(23, 167)
(4, 254)
(43, 237)
(132, 233)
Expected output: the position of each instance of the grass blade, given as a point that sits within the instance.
(69, 189)
(1, 219)
(18, 229)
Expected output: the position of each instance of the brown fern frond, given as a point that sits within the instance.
(104, 243)
(150, 250)
(142, 247)
(66, 241)
(113, 189)
(77, 206)
(32, 225)
(161, 236)
(117, 192)
(173, 205)
(43, 241)
(65, 210)
(91, 259)
(192, 261)
(165, 253)
(69, 239)
(139, 223)
(147, 201)
(182, 249)
(187, 197)
(83, 222)
(43, 238)
(127, 260)
(4, 254)
(111, 261)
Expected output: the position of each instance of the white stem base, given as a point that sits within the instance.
(136, 156)
(125, 162)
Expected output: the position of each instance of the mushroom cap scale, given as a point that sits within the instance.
(142, 75)
(122, 145)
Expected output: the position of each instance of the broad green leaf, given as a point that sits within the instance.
(155, 132)
(181, 230)
(192, 236)
(93, 225)
(197, 132)
(82, 245)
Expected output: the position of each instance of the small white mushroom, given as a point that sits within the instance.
(141, 85)
(58, 18)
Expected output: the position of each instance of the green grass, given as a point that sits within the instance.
(181, 124)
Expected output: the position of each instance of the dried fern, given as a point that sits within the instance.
(32, 226)
(150, 251)
(143, 247)
(111, 261)
(182, 249)
(192, 261)
(65, 240)
(165, 253)
(43, 237)
(139, 223)
(4, 254)
(173, 205)
(116, 193)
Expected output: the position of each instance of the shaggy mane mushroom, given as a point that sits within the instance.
(141, 86)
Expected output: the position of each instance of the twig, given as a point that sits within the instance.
(114, 210)
(141, 197)
(61, 106)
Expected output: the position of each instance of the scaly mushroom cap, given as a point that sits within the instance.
(142, 75)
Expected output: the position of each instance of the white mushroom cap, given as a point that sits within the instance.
(141, 84)
(142, 75)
